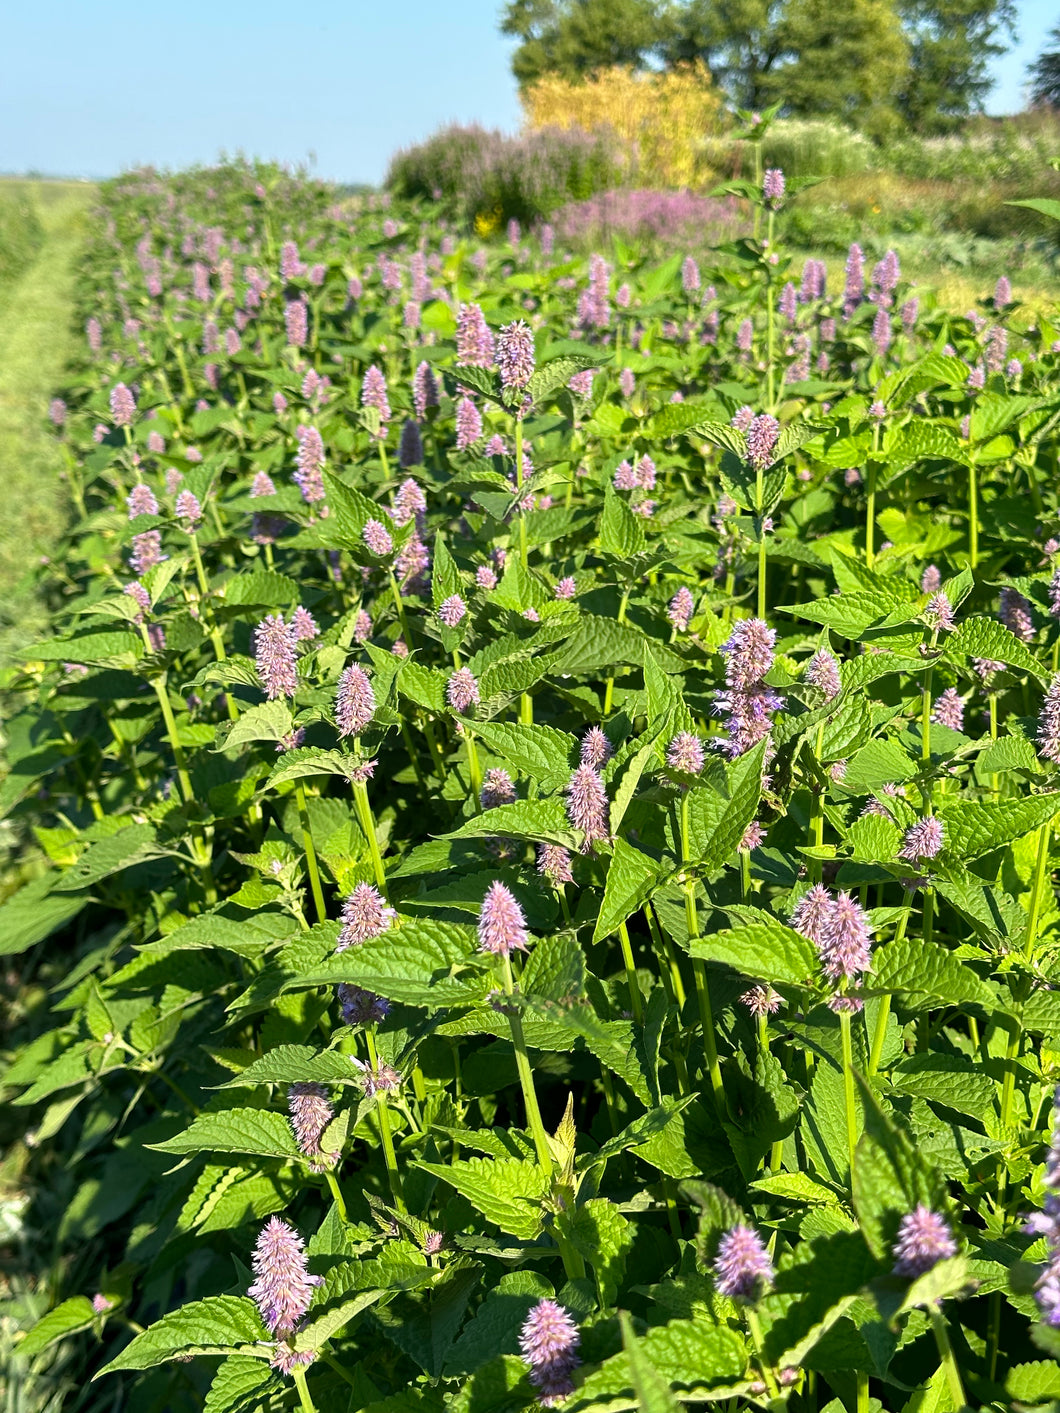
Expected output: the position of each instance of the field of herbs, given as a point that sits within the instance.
(534, 829)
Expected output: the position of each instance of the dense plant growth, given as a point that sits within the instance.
(539, 835)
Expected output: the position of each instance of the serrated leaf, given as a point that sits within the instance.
(765, 950)
(255, 1131)
(109, 856)
(621, 532)
(541, 752)
(268, 721)
(295, 1064)
(632, 877)
(544, 820)
(976, 827)
(555, 970)
(240, 1384)
(922, 974)
(507, 1192)
(220, 1324)
(68, 1316)
(986, 638)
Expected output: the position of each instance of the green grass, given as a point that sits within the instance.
(36, 340)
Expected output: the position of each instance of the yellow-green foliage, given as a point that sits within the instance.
(664, 117)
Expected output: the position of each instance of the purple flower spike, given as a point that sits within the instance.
(587, 805)
(468, 424)
(685, 753)
(424, 390)
(122, 405)
(949, 710)
(304, 625)
(461, 691)
(188, 509)
(548, 1341)
(474, 342)
(410, 447)
(374, 393)
(275, 647)
(501, 924)
(761, 1000)
(596, 748)
(284, 1287)
(742, 1265)
(311, 1112)
(141, 500)
(748, 652)
(566, 588)
(497, 789)
(452, 610)
(1049, 723)
(377, 538)
(924, 1239)
(515, 354)
(682, 606)
(354, 701)
(364, 914)
(923, 840)
(773, 186)
(553, 863)
(1015, 614)
(762, 437)
(811, 913)
(823, 673)
(844, 944)
(939, 613)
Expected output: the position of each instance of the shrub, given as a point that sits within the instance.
(665, 117)
(670, 217)
(490, 178)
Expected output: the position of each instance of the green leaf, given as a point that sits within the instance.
(70, 1315)
(129, 846)
(235, 1131)
(310, 760)
(555, 970)
(986, 638)
(950, 1080)
(849, 614)
(1045, 205)
(603, 1236)
(507, 1192)
(621, 532)
(765, 950)
(653, 1393)
(240, 1385)
(525, 819)
(976, 827)
(632, 877)
(558, 372)
(497, 1322)
(744, 779)
(541, 752)
(220, 1324)
(295, 1064)
(350, 511)
(34, 913)
(922, 974)
(1040, 1380)
(890, 1179)
(268, 721)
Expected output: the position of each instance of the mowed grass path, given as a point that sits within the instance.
(37, 338)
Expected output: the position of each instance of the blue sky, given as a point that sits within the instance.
(90, 88)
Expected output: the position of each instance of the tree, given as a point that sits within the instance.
(1045, 73)
(842, 63)
(575, 37)
(754, 47)
(951, 43)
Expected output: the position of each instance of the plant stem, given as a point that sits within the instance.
(870, 511)
(526, 1076)
(949, 1363)
(519, 487)
(699, 972)
(755, 1330)
(364, 814)
(848, 1088)
(383, 1112)
(862, 1392)
(973, 516)
(336, 1192)
(310, 854)
(307, 1404)
(635, 998)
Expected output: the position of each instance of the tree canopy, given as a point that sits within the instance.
(1045, 72)
(867, 61)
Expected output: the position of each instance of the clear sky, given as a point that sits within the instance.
(92, 86)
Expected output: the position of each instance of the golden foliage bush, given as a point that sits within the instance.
(666, 118)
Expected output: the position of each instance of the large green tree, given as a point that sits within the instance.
(931, 56)
(951, 44)
(574, 37)
(1045, 72)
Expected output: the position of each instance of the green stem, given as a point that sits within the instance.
(336, 1192)
(862, 1392)
(848, 1088)
(364, 814)
(635, 998)
(1034, 912)
(699, 972)
(526, 1076)
(310, 854)
(383, 1113)
(949, 1363)
(519, 486)
(973, 515)
(755, 1330)
(304, 1399)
